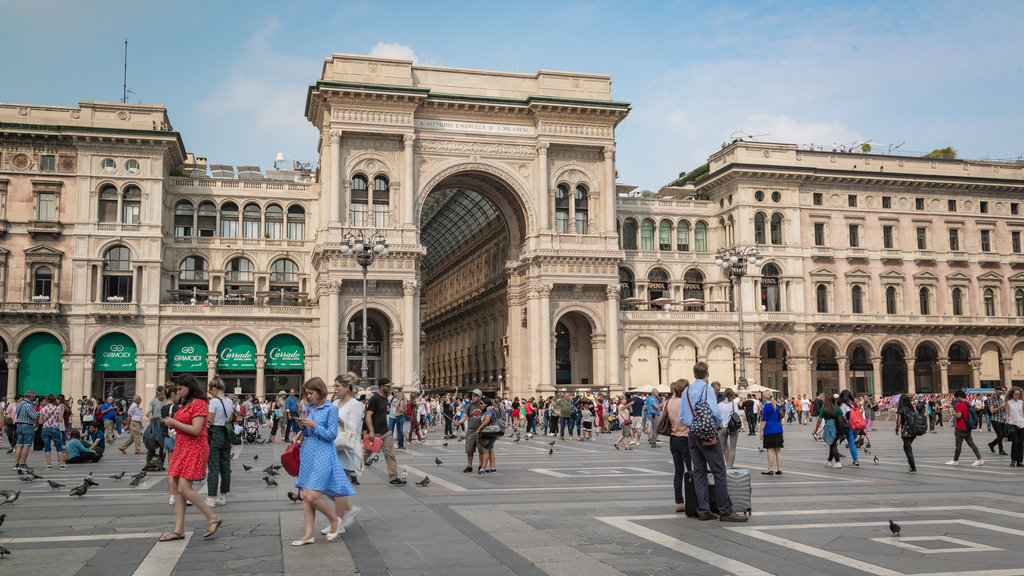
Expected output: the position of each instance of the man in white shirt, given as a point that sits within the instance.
(805, 410)
(135, 425)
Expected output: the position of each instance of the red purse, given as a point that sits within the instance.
(290, 459)
(371, 443)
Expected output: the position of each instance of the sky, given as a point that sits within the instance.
(233, 75)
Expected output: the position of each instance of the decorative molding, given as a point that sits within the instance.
(363, 116)
(572, 129)
(335, 136)
(484, 148)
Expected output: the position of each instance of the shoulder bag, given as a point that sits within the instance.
(290, 459)
(347, 436)
(495, 428)
(664, 424)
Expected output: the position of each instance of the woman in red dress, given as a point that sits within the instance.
(190, 453)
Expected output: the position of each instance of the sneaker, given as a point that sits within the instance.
(855, 464)
(837, 465)
(16, 468)
(210, 501)
(952, 463)
(170, 501)
(48, 467)
(977, 462)
(467, 469)
(350, 517)
(828, 463)
(911, 471)
(63, 465)
(397, 482)
(220, 501)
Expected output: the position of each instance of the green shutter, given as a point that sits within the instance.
(40, 368)
(236, 352)
(186, 353)
(285, 352)
(114, 352)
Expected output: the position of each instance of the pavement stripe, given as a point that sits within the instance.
(162, 559)
(83, 538)
(717, 560)
(814, 552)
(439, 481)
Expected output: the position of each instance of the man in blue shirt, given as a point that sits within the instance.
(653, 404)
(26, 416)
(109, 412)
(291, 409)
(707, 454)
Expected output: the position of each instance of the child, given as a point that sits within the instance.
(588, 422)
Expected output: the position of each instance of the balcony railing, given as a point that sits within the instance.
(30, 308)
(45, 227)
(228, 310)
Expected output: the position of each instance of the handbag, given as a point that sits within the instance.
(664, 424)
(346, 438)
(371, 443)
(290, 459)
(495, 428)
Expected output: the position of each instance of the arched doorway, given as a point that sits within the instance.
(378, 344)
(826, 368)
(959, 367)
(774, 369)
(991, 365)
(721, 363)
(40, 368)
(114, 366)
(187, 354)
(657, 288)
(926, 370)
(894, 370)
(862, 371)
(682, 355)
(644, 364)
(236, 363)
(574, 355)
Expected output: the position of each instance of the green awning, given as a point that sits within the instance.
(40, 368)
(114, 352)
(236, 352)
(285, 352)
(186, 353)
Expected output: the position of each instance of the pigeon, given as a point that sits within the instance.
(437, 461)
(10, 497)
(552, 443)
(272, 472)
(255, 457)
(275, 466)
(894, 528)
(270, 481)
(88, 481)
(445, 444)
(517, 439)
(246, 467)
(118, 476)
(294, 497)
(29, 477)
(876, 460)
(4, 551)
(760, 450)
(135, 481)
(423, 483)
(551, 451)
(2, 518)
(80, 490)
(54, 485)
(375, 458)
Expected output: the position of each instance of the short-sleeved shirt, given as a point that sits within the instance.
(805, 405)
(51, 416)
(27, 413)
(636, 405)
(770, 417)
(995, 403)
(108, 415)
(652, 405)
(474, 415)
(748, 407)
(156, 404)
(379, 419)
(220, 408)
(961, 408)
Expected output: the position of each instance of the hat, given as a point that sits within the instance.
(384, 382)
(477, 392)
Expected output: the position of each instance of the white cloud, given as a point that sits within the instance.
(386, 50)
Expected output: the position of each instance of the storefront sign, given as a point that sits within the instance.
(656, 286)
(374, 348)
(236, 352)
(769, 281)
(187, 353)
(285, 352)
(114, 352)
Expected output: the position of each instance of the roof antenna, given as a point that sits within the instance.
(124, 96)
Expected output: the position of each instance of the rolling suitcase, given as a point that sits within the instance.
(739, 489)
(690, 494)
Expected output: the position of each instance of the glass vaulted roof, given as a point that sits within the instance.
(449, 218)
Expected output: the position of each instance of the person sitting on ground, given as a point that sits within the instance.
(79, 453)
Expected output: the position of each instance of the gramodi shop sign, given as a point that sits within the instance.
(117, 351)
(188, 355)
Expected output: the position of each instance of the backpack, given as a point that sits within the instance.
(735, 422)
(972, 417)
(153, 436)
(917, 423)
(702, 423)
(857, 421)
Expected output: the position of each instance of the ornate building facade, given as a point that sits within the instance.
(515, 264)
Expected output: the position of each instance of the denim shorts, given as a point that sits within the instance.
(168, 443)
(26, 434)
(52, 436)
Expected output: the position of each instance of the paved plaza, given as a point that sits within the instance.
(586, 509)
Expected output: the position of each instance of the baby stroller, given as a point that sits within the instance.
(251, 430)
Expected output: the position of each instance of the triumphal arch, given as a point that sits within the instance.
(496, 193)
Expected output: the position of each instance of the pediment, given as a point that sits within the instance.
(958, 277)
(1018, 277)
(891, 275)
(859, 273)
(823, 272)
(990, 277)
(926, 278)
(43, 251)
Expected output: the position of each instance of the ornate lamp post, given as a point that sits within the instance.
(365, 249)
(734, 261)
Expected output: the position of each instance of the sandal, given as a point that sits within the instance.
(212, 527)
(768, 473)
(170, 537)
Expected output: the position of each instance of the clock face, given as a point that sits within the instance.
(109, 165)
(133, 166)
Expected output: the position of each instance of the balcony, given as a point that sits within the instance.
(891, 255)
(236, 310)
(223, 242)
(922, 256)
(27, 309)
(856, 253)
(822, 253)
(989, 259)
(40, 227)
(894, 323)
(114, 310)
(958, 257)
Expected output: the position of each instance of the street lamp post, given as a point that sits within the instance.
(365, 249)
(734, 261)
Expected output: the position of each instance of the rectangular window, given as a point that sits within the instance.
(887, 236)
(46, 206)
(817, 199)
(954, 239)
(819, 234)
(919, 203)
(983, 207)
(886, 202)
(922, 238)
(296, 230)
(582, 225)
(250, 229)
(951, 205)
(854, 235)
(562, 221)
(47, 163)
(380, 215)
(851, 200)
(274, 228)
(986, 243)
(131, 213)
(229, 228)
(359, 215)
(1015, 240)
(1014, 208)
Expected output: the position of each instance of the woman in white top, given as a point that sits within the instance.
(728, 437)
(350, 417)
(1014, 407)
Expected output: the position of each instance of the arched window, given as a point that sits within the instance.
(857, 299)
(890, 300)
(108, 204)
(683, 236)
(777, 229)
(923, 297)
(990, 302)
(581, 209)
(296, 222)
(207, 219)
(627, 288)
(360, 200)
(251, 221)
(770, 288)
(238, 278)
(381, 201)
(284, 270)
(647, 235)
(562, 209)
(821, 293)
(42, 284)
(958, 302)
(665, 235)
(184, 215)
(759, 228)
(657, 286)
(131, 205)
(229, 220)
(700, 237)
(117, 274)
(193, 279)
(1018, 301)
(693, 290)
(275, 221)
(629, 234)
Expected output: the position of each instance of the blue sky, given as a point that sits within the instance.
(233, 75)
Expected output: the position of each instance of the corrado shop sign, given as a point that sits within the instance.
(236, 352)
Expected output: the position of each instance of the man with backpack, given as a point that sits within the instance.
(965, 419)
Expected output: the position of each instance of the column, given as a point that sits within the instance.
(876, 376)
(1006, 376)
(611, 330)
(533, 328)
(844, 375)
(598, 344)
(211, 366)
(546, 337)
(408, 184)
(944, 375)
(12, 374)
(98, 294)
(333, 320)
(410, 328)
(976, 372)
(337, 178)
(543, 190)
(608, 216)
(911, 377)
(261, 383)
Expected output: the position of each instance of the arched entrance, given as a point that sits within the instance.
(236, 364)
(644, 364)
(826, 368)
(862, 371)
(378, 344)
(574, 355)
(894, 370)
(114, 366)
(959, 366)
(721, 363)
(774, 369)
(187, 354)
(40, 368)
(926, 370)
(991, 365)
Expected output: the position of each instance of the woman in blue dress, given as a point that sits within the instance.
(320, 473)
(771, 433)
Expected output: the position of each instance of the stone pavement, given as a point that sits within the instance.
(586, 509)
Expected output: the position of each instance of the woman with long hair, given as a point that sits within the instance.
(222, 417)
(829, 435)
(320, 473)
(846, 404)
(904, 412)
(622, 410)
(350, 417)
(1014, 408)
(770, 431)
(189, 460)
(486, 442)
(679, 442)
(728, 436)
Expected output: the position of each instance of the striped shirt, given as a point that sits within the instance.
(995, 403)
